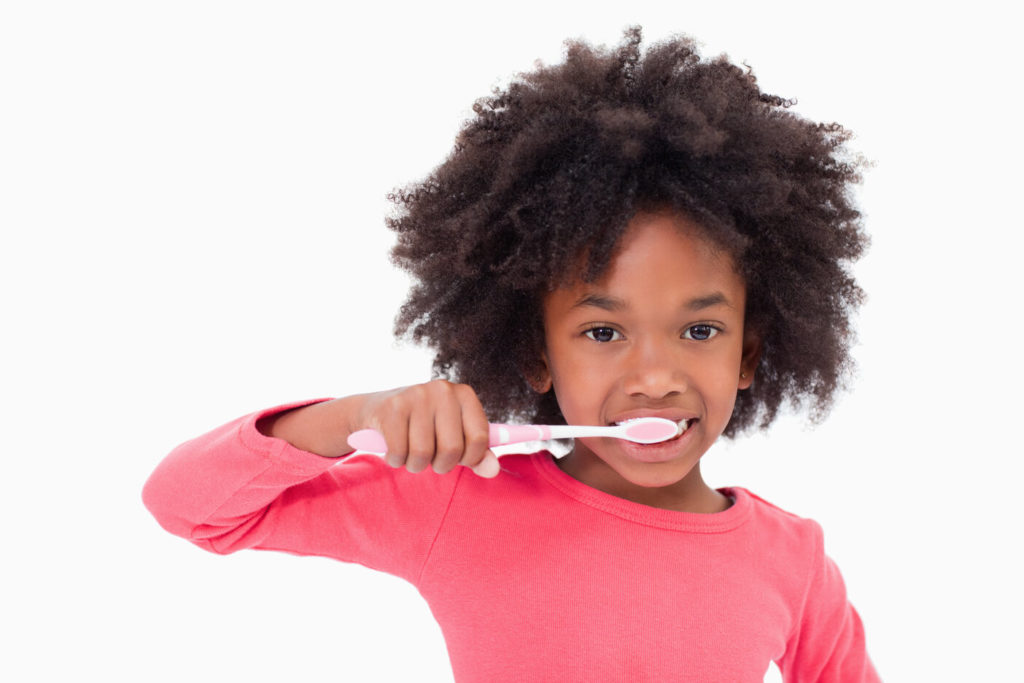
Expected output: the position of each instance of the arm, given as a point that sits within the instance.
(828, 643)
(284, 486)
(320, 427)
(236, 488)
(437, 424)
(208, 488)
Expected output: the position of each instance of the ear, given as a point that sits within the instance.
(751, 357)
(539, 377)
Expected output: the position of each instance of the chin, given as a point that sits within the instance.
(656, 475)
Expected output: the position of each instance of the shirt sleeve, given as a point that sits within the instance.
(235, 488)
(828, 644)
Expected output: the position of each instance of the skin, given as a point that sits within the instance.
(661, 333)
(436, 425)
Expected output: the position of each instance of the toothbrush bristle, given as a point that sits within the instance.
(651, 429)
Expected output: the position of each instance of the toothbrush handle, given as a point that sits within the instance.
(372, 441)
(502, 434)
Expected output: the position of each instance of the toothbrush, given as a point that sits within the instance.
(644, 430)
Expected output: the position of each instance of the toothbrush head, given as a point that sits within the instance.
(651, 429)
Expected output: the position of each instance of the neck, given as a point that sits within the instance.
(689, 494)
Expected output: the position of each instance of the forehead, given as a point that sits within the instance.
(660, 255)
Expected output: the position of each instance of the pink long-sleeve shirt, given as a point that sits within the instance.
(580, 585)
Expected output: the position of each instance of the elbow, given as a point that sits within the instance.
(230, 535)
(219, 535)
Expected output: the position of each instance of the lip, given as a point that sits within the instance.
(663, 451)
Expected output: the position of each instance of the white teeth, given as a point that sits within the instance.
(683, 423)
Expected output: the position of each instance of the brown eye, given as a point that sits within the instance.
(602, 334)
(700, 332)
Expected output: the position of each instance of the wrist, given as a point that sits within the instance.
(320, 428)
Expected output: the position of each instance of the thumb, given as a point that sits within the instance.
(488, 467)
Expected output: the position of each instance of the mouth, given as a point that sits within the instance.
(669, 450)
(682, 426)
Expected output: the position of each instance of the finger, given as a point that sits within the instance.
(395, 428)
(421, 438)
(474, 427)
(448, 435)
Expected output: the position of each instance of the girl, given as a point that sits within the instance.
(623, 235)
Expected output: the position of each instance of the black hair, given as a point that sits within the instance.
(555, 165)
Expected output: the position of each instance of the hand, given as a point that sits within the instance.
(437, 424)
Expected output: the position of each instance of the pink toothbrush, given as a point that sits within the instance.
(638, 430)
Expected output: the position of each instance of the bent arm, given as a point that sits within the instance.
(212, 489)
(235, 488)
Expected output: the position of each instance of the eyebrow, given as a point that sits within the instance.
(610, 303)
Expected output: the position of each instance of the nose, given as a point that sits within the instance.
(655, 370)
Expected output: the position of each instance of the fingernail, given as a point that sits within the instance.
(488, 468)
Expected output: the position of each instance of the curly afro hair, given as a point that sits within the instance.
(552, 169)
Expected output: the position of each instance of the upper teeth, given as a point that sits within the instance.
(681, 422)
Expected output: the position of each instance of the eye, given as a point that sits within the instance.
(603, 334)
(700, 332)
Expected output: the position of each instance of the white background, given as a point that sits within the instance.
(192, 198)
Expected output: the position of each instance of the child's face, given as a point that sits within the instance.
(661, 333)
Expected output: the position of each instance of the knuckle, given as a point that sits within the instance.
(419, 454)
(398, 403)
(477, 440)
(439, 385)
(473, 456)
(469, 396)
(419, 457)
(448, 453)
(444, 465)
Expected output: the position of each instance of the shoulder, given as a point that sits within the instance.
(785, 530)
(770, 511)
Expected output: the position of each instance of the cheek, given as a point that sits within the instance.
(578, 388)
(722, 381)
(717, 374)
